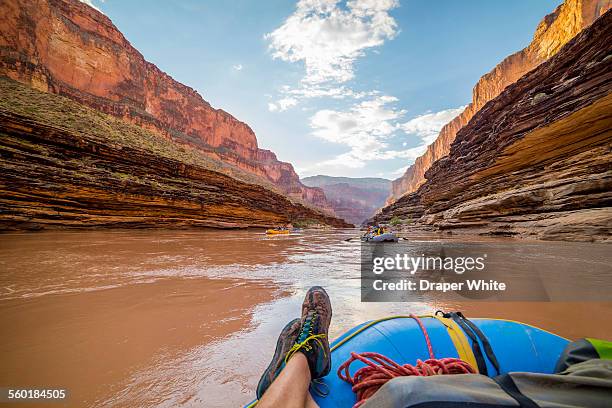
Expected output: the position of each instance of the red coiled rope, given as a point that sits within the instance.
(380, 369)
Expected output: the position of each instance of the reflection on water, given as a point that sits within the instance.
(185, 315)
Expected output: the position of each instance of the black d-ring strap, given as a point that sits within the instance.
(480, 361)
(507, 384)
(485, 342)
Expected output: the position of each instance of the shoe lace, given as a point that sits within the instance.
(305, 346)
(319, 387)
(309, 340)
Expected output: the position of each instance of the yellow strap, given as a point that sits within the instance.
(460, 341)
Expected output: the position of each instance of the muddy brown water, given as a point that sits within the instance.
(190, 318)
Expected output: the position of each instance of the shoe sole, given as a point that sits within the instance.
(328, 302)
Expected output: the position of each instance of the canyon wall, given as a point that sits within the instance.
(352, 199)
(65, 165)
(533, 162)
(68, 48)
(555, 30)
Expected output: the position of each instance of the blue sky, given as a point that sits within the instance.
(355, 88)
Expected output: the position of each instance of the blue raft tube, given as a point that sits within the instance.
(517, 347)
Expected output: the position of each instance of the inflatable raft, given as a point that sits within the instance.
(385, 237)
(516, 346)
(276, 232)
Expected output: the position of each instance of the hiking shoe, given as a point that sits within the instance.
(312, 340)
(286, 339)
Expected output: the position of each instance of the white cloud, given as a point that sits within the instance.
(367, 127)
(282, 104)
(364, 128)
(410, 154)
(339, 92)
(237, 67)
(367, 118)
(398, 172)
(328, 36)
(428, 126)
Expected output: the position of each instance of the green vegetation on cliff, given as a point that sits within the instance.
(64, 113)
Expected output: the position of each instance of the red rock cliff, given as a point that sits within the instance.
(554, 31)
(65, 165)
(68, 48)
(534, 161)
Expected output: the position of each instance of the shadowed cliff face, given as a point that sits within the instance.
(534, 161)
(352, 199)
(555, 30)
(66, 165)
(68, 48)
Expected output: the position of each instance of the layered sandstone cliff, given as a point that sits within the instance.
(68, 48)
(536, 160)
(555, 30)
(65, 165)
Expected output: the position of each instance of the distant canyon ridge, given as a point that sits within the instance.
(352, 199)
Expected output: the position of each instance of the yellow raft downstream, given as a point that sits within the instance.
(276, 232)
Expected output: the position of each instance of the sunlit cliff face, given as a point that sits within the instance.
(555, 30)
(69, 48)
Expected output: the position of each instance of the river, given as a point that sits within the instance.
(165, 318)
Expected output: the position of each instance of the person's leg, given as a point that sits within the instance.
(310, 402)
(290, 388)
(302, 354)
